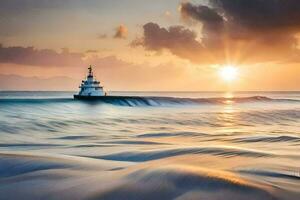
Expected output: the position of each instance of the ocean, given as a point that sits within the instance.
(159, 145)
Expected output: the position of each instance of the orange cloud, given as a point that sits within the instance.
(121, 32)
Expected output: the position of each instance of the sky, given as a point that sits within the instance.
(157, 45)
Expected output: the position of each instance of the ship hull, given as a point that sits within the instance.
(102, 98)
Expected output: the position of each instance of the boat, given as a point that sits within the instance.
(90, 88)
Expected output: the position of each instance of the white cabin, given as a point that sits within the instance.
(90, 86)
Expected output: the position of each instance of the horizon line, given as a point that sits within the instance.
(160, 91)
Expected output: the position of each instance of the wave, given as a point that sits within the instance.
(273, 174)
(18, 164)
(172, 134)
(181, 182)
(283, 138)
(29, 145)
(69, 177)
(139, 156)
(134, 101)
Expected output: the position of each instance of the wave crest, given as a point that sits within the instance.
(134, 101)
(182, 182)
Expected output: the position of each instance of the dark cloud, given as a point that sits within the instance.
(30, 56)
(256, 31)
(206, 15)
(35, 57)
(121, 32)
(157, 37)
(179, 40)
(213, 22)
(247, 19)
(261, 14)
(271, 25)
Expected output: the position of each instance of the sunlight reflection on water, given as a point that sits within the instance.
(253, 138)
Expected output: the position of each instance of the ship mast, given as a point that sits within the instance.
(90, 71)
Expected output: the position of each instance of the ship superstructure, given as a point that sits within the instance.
(90, 87)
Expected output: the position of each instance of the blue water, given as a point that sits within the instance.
(184, 145)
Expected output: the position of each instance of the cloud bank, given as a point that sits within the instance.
(121, 32)
(232, 30)
(35, 57)
(114, 72)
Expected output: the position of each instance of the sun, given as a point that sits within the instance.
(228, 73)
